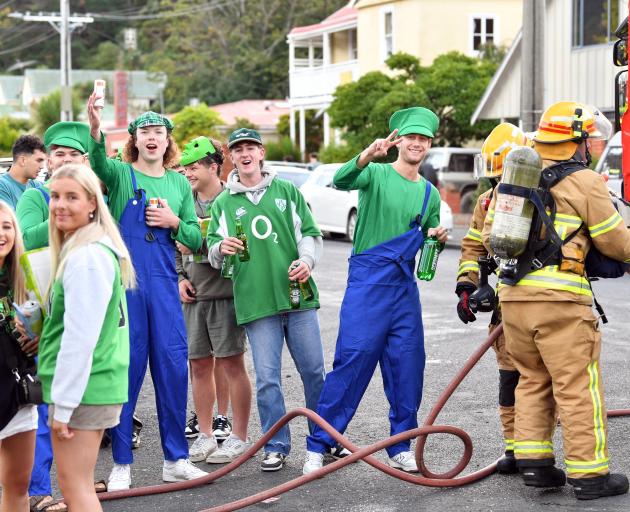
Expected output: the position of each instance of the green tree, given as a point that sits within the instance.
(11, 129)
(314, 129)
(283, 150)
(47, 111)
(452, 87)
(193, 121)
(335, 153)
(242, 122)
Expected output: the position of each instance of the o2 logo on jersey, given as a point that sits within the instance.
(261, 221)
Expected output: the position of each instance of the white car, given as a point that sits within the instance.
(336, 210)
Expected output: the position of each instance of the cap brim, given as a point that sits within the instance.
(67, 142)
(244, 139)
(417, 130)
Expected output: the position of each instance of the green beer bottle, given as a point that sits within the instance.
(240, 234)
(428, 259)
(305, 288)
(227, 269)
(294, 294)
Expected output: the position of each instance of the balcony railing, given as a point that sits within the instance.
(318, 81)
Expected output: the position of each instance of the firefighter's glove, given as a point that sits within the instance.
(464, 291)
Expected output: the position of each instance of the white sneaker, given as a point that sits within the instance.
(119, 478)
(314, 461)
(231, 449)
(405, 461)
(180, 471)
(202, 447)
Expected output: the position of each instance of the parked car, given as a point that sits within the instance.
(336, 210)
(451, 170)
(282, 163)
(5, 164)
(296, 175)
(609, 163)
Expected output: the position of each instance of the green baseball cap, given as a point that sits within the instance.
(197, 149)
(243, 134)
(418, 120)
(149, 118)
(68, 134)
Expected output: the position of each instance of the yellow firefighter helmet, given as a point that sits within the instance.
(502, 139)
(567, 121)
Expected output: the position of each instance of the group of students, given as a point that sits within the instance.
(156, 294)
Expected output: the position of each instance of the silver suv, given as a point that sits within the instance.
(451, 170)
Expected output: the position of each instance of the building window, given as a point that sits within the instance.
(388, 34)
(483, 31)
(594, 21)
(352, 44)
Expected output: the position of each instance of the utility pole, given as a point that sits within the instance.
(533, 63)
(65, 24)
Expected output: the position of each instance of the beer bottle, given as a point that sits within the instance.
(294, 294)
(428, 259)
(240, 234)
(305, 288)
(227, 269)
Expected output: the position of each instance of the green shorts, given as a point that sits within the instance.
(212, 329)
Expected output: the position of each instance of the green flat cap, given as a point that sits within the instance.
(243, 134)
(418, 120)
(149, 118)
(68, 134)
(197, 149)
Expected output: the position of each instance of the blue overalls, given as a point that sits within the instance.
(380, 322)
(40, 476)
(156, 333)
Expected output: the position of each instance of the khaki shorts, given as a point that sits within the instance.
(212, 329)
(91, 417)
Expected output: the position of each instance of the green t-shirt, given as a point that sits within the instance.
(32, 213)
(108, 383)
(11, 190)
(388, 202)
(172, 186)
(273, 227)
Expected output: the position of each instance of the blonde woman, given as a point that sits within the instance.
(84, 348)
(18, 424)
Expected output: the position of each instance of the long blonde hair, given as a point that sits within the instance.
(12, 261)
(101, 225)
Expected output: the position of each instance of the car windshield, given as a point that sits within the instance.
(297, 178)
(612, 164)
(434, 160)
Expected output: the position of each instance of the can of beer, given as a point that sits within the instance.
(99, 90)
(34, 321)
(153, 202)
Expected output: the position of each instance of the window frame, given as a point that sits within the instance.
(610, 35)
(385, 11)
(484, 35)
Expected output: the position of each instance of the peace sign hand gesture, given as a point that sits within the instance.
(379, 148)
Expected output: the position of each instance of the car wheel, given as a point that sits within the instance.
(466, 202)
(352, 224)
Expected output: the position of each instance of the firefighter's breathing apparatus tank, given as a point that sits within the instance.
(513, 214)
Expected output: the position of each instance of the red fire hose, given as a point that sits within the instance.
(427, 478)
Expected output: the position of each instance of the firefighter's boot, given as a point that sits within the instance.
(506, 465)
(601, 486)
(541, 473)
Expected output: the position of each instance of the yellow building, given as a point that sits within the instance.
(428, 28)
(359, 37)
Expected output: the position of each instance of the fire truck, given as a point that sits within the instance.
(622, 115)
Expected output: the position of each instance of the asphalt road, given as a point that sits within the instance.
(360, 488)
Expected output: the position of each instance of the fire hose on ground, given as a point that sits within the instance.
(426, 477)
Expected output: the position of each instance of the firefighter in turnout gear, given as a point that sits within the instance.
(552, 335)
(489, 164)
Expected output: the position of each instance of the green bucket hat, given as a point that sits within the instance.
(149, 118)
(418, 120)
(68, 134)
(197, 149)
(243, 134)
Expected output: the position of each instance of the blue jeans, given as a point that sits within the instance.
(266, 337)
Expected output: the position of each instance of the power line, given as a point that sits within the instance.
(30, 43)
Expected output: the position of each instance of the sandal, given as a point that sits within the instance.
(41, 503)
(100, 486)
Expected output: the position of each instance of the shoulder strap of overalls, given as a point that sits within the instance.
(425, 203)
(45, 194)
(133, 179)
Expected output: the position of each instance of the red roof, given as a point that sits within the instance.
(263, 113)
(340, 17)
